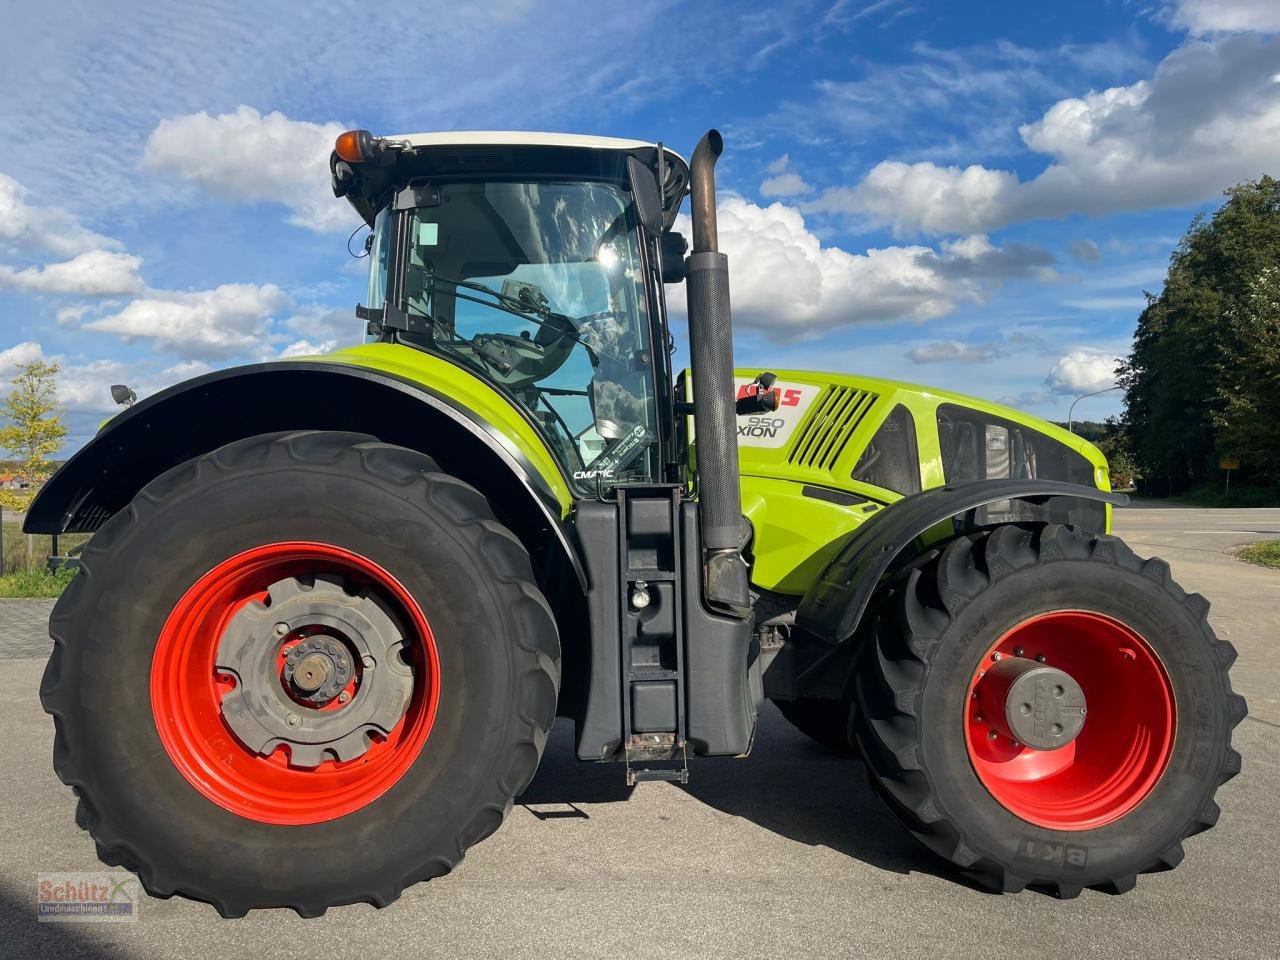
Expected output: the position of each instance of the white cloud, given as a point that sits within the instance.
(1083, 371)
(86, 387)
(926, 198)
(24, 225)
(1208, 118)
(185, 370)
(247, 156)
(227, 321)
(777, 166)
(954, 351)
(786, 283)
(307, 348)
(18, 355)
(784, 185)
(1226, 16)
(70, 317)
(325, 324)
(97, 273)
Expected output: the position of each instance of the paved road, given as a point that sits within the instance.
(783, 854)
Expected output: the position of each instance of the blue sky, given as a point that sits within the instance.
(971, 195)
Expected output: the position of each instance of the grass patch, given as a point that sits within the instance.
(22, 553)
(38, 582)
(1266, 553)
(1240, 496)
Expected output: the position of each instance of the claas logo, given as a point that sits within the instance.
(789, 398)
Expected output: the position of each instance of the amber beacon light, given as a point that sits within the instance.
(355, 146)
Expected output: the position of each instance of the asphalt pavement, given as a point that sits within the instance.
(786, 853)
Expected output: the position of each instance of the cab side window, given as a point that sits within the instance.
(891, 459)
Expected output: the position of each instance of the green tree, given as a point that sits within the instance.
(34, 429)
(1190, 337)
(1113, 441)
(1248, 418)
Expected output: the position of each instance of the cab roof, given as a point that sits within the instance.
(517, 138)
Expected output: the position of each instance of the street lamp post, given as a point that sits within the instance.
(1084, 396)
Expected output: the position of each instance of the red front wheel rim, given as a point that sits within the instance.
(187, 692)
(1122, 749)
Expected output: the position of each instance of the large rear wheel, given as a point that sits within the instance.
(304, 670)
(1040, 706)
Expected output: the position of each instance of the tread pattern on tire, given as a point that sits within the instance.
(911, 615)
(492, 544)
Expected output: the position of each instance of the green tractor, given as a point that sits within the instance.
(333, 605)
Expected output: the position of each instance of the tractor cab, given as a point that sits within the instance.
(525, 259)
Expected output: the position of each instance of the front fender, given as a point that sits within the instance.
(203, 414)
(833, 606)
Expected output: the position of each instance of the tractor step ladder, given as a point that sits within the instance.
(651, 622)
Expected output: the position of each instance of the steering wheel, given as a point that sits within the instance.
(519, 361)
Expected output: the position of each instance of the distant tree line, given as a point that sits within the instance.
(1202, 382)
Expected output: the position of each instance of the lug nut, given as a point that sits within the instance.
(368, 662)
(1041, 658)
(343, 697)
(293, 720)
(978, 718)
(997, 655)
(281, 629)
(1017, 651)
(992, 735)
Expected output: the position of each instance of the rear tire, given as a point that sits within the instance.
(480, 643)
(935, 628)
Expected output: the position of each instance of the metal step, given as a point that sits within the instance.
(672, 774)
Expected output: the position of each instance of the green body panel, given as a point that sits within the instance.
(833, 418)
(470, 392)
(828, 421)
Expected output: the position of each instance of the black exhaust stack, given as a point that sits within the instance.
(714, 413)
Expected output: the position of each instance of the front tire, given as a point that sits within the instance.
(304, 670)
(1151, 750)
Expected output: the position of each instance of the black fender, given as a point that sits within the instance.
(202, 414)
(835, 603)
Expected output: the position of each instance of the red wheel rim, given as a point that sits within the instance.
(1122, 749)
(187, 690)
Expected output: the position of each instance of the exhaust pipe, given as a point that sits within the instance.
(714, 414)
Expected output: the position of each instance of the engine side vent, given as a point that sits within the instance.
(823, 437)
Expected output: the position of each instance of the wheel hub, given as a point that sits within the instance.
(316, 670)
(1038, 706)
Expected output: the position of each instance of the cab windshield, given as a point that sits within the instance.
(538, 288)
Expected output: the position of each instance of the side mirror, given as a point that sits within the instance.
(646, 196)
(671, 248)
(122, 395)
